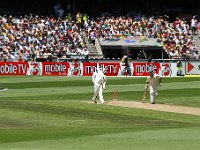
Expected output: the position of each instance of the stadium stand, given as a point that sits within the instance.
(141, 31)
(60, 31)
(35, 37)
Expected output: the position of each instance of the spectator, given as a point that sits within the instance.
(198, 27)
(85, 53)
(194, 25)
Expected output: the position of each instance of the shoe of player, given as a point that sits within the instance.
(102, 102)
(3, 89)
(94, 100)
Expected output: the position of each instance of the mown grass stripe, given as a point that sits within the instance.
(122, 95)
(31, 79)
(78, 113)
(167, 95)
(60, 88)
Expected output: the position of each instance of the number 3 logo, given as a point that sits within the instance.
(35, 69)
(167, 70)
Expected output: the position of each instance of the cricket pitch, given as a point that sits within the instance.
(158, 107)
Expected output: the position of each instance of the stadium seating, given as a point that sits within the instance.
(36, 37)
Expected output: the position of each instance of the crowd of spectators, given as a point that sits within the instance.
(176, 37)
(30, 37)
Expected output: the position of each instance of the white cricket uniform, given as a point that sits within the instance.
(99, 80)
(153, 86)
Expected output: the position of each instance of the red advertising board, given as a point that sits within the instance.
(109, 68)
(78, 68)
(142, 68)
(55, 68)
(13, 68)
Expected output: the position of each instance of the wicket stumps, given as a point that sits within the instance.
(115, 95)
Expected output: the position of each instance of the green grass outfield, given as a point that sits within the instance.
(54, 113)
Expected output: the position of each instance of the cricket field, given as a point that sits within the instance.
(57, 113)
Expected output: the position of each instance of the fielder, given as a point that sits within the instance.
(153, 80)
(99, 80)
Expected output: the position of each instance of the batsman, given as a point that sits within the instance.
(153, 81)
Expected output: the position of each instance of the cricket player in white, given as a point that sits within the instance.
(153, 80)
(99, 80)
